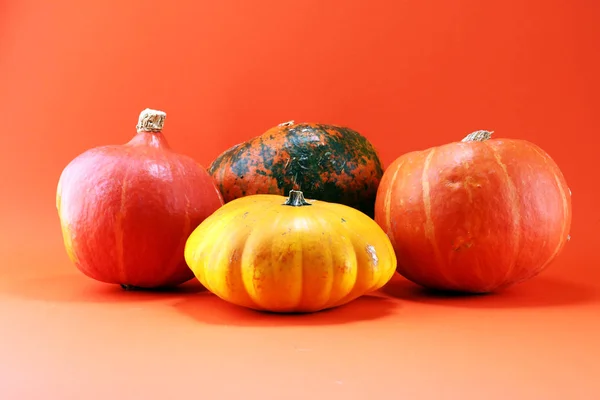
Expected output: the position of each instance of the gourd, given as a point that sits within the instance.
(127, 210)
(475, 216)
(327, 162)
(266, 252)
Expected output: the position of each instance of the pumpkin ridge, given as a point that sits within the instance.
(388, 202)
(429, 227)
(515, 211)
(565, 213)
(118, 230)
(559, 183)
(174, 260)
(251, 284)
(237, 269)
(356, 234)
(300, 282)
(565, 204)
(332, 267)
(350, 250)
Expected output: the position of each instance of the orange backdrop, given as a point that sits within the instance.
(406, 74)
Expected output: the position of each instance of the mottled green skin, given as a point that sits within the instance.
(326, 162)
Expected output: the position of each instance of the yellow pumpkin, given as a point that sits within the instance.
(269, 253)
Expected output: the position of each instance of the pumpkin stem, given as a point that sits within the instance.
(478, 136)
(296, 199)
(151, 121)
(288, 123)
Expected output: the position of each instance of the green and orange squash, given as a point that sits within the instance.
(328, 163)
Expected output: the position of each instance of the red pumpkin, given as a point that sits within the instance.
(126, 211)
(474, 216)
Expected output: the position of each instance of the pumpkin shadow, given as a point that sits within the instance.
(74, 288)
(207, 308)
(537, 292)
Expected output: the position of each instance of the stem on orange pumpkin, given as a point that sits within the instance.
(151, 121)
(296, 199)
(478, 136)
(288, 123)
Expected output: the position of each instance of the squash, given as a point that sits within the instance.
(327, 162)
(266, 252)
(475, 216)
(127, 210)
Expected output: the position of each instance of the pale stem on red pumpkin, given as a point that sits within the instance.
(151, 121)
(296, 199)
(478, 136)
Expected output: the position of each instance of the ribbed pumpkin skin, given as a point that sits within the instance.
(327, 162)
(258, 253)
(476, 216)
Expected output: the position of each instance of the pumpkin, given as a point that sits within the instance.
(127, 210)
(475, 216)
(269, 253)
(327, 162)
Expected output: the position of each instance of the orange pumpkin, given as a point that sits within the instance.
(267, 252)
(474, 216)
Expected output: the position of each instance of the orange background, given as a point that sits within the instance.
(408, 75)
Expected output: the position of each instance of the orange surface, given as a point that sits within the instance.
(408, 75)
